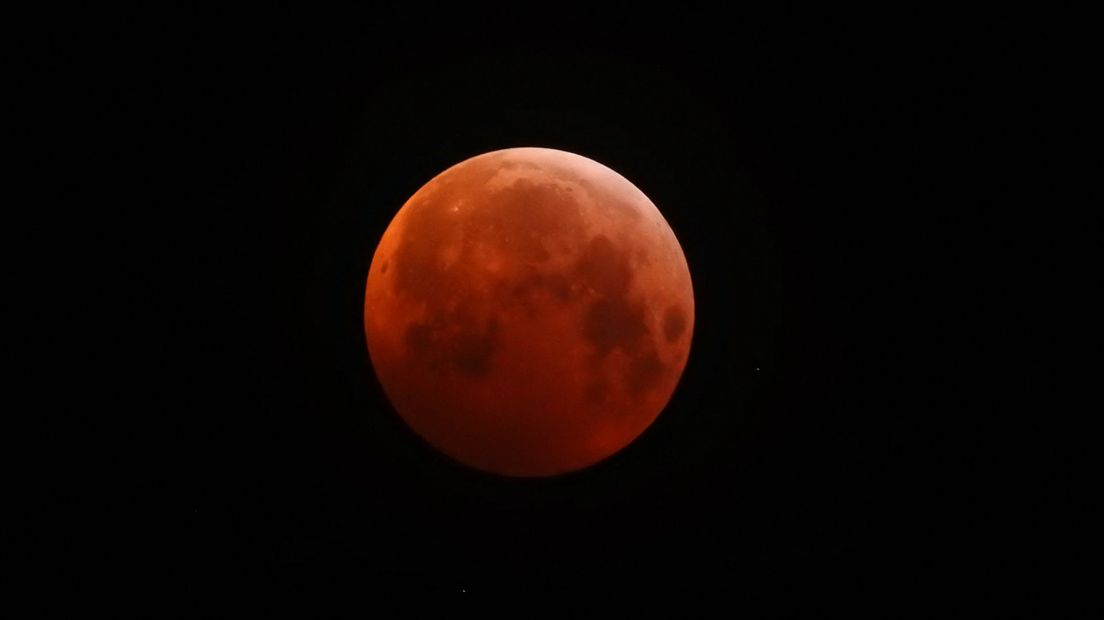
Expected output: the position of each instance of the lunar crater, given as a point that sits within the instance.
(674, 323)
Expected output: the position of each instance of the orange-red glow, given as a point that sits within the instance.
(529, 312)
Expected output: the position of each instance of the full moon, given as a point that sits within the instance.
(529, 312)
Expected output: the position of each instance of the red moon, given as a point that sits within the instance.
(529, 312)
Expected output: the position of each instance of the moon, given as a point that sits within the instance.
(529, 312)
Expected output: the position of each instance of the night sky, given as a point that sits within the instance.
(802, 167)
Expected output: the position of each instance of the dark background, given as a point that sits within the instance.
(812, 172)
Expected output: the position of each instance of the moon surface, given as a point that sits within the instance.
(529, 312)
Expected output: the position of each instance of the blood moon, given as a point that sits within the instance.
(529, 312)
